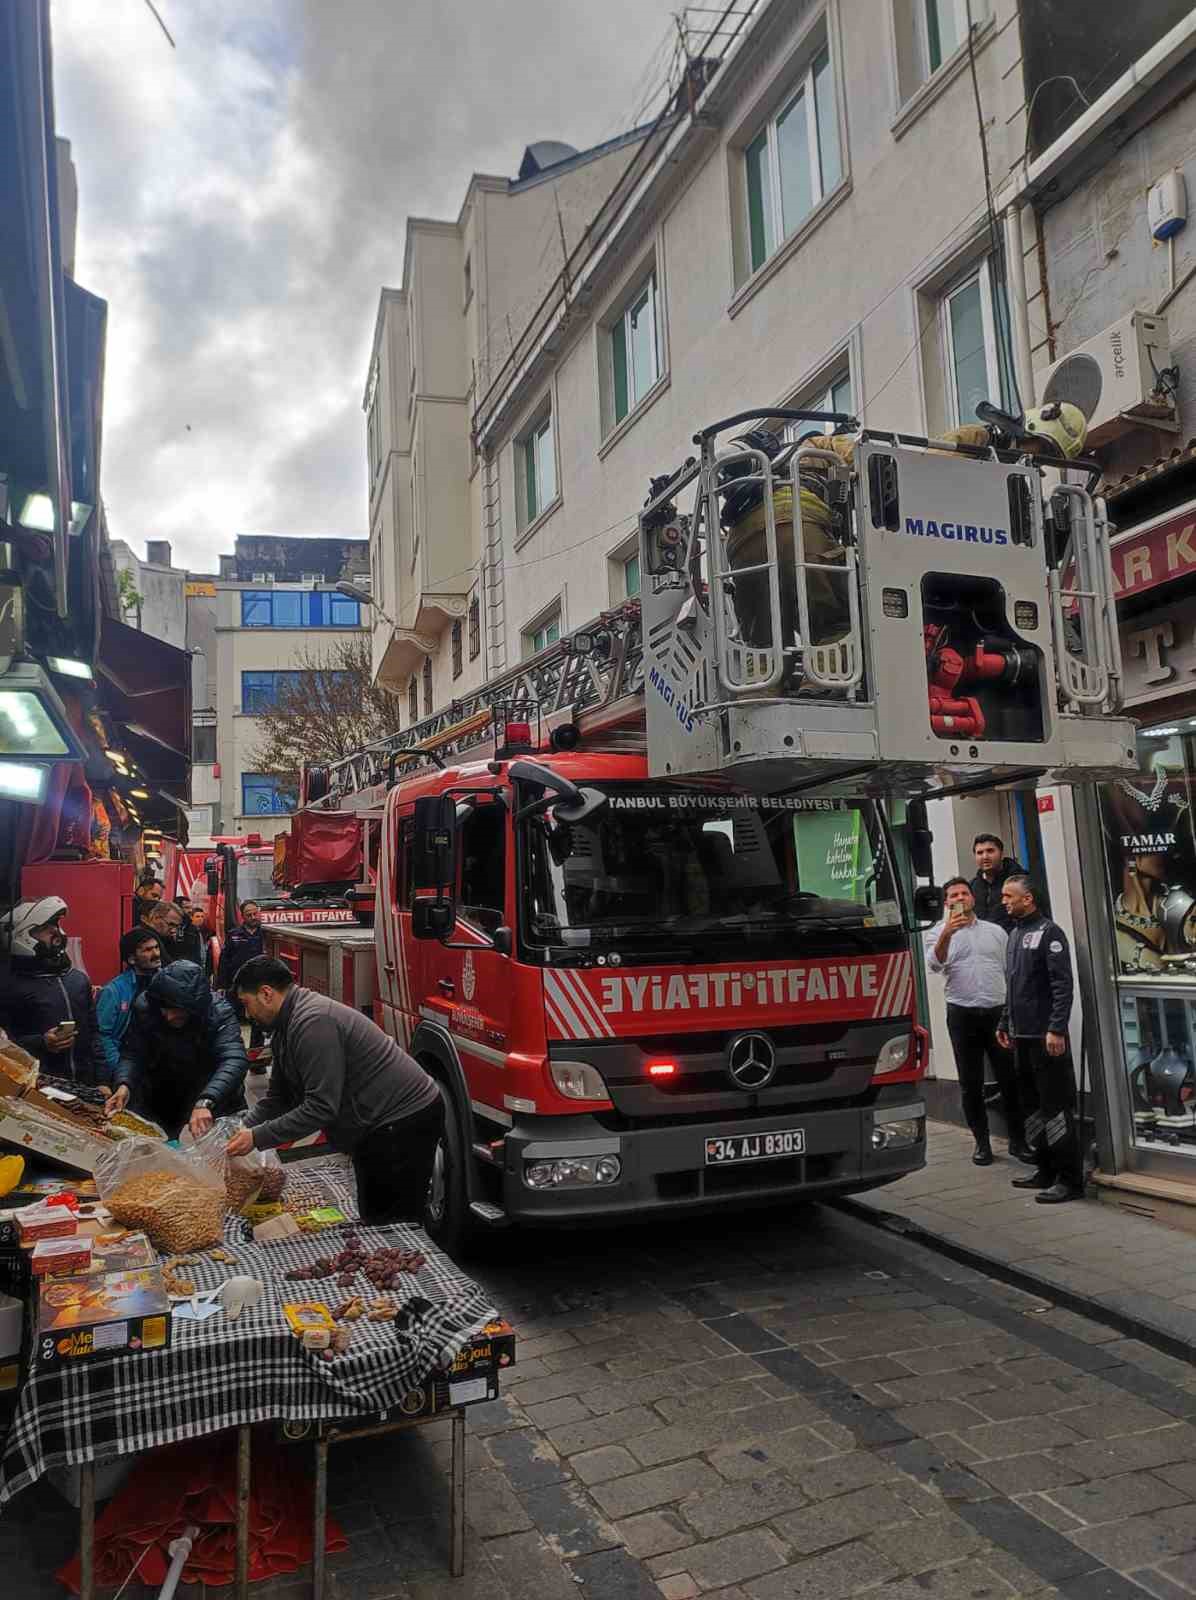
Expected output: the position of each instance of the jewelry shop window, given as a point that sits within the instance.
(1150, 837)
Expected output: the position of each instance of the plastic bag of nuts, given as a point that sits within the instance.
(158, 1191)
(258, 1176)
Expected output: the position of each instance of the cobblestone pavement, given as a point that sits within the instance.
(1131, 1266)
(774, 1406)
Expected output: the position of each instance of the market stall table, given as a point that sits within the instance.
(219, 1375)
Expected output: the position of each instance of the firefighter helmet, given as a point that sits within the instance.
(1062, 423)
(17, 926)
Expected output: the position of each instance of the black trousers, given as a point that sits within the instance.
(393, 1166)
(1047, 1086)
(973, 1031)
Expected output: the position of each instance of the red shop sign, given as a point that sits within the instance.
(1148, 557)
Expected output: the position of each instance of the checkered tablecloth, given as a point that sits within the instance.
(218, 1374)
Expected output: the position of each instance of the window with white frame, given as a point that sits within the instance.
(373, 426)
(535, 469)
(833, 396)
(975, 336)
(793, 162)
(929, 34)
(543, 632)
(631, 576)
(634, 350)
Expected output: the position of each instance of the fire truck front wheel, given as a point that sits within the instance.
(446, 1215)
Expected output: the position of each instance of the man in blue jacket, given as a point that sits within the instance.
(182, 1062)
(142, 957)
(1039, 989)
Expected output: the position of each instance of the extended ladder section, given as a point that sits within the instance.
(592, 679)
(873, 613)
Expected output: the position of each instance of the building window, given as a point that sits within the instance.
(535, 470)
(203, 744)
(631, 576)
(468, 279)
(262, 691)
(298, 608)
(458, 641)
(475, 628)
(373, 425)
(413, 699)
(929, 33)
(793, 162)
(543, 633)
(834, 396)
(976, 344)
(635, 350)
(427, 686)
(264, 794)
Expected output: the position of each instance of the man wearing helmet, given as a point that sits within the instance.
(46, 1004)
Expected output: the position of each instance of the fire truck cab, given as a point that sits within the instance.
(647, 904)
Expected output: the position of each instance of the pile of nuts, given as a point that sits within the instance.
(383, 1268)
(178, 1215)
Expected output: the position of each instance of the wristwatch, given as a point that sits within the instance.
(204, 1105)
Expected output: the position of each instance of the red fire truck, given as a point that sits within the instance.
(647, 903)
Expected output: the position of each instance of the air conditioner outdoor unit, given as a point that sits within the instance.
(1119, 380)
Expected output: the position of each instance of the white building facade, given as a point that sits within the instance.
(272, 607)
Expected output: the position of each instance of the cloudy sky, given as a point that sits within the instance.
(243, 197)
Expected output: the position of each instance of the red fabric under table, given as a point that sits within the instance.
(197, 1483)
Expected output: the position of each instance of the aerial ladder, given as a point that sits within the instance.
(855, 613)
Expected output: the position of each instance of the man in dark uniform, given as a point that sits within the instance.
(1039, 988)
(993, 867)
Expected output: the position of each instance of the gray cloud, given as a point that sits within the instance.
(243, 198)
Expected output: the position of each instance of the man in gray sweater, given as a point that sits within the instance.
(335, 1071)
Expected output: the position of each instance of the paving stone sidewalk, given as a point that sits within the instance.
(1089, 1253)
(776, 1406)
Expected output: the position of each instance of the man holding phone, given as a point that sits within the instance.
(46, 1004)
(970, 952)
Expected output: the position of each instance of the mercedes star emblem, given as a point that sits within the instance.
(751, 1061)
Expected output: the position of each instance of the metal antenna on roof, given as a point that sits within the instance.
(161, 24)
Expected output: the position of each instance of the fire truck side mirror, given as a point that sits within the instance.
(921, 840)
(433, 919)
(434, 844)
(928, 904)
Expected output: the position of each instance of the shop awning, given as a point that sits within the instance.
(145, 686)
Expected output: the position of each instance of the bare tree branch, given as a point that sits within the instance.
(329, 711)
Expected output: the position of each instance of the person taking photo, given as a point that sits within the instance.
(970, 953)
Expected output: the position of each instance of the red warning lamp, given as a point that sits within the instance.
(662, 1069)
(518, 735)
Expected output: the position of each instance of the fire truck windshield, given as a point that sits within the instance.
(255, 877)
(661, 862)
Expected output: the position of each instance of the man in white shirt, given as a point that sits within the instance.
(971, 953)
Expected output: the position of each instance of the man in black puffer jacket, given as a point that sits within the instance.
(41, 991)
(182, 1061)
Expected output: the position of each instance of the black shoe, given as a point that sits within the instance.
(1023, 1152)
(1057, 1194)
(1034, 1180)
(982, 1155)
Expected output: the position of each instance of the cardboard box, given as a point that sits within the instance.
(486, 1353)
(26, 1126)
(436, 1394)
(39, 1222)
(61, 1257)
(105, 1313)
(118, 1251)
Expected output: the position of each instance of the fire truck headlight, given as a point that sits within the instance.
(577, 1080)
(898, 1135)
(894, 1054)
(572, 1172)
